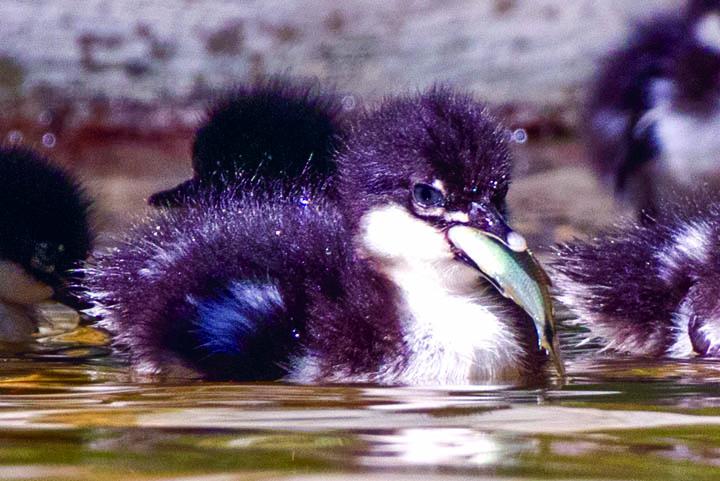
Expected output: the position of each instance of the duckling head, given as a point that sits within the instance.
(44, 227)
(277, 130)
(424, 180)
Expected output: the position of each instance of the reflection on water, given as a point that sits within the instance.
(69, 412)
(458, 447)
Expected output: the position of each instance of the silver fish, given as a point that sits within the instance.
(518, 276)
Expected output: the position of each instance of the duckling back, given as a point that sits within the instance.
(649, 289)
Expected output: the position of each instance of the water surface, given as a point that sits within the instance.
(68, 411)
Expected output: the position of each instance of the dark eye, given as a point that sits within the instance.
(428, 196)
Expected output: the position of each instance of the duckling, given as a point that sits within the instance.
(398, 279)
(44, 234)
(275, 130)
(649, 288)
(653, 111)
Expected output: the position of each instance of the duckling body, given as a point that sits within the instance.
(44, 233)
(654, 108)
(364, 285)
(649, 289)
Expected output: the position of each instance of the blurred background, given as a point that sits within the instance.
(115, 88)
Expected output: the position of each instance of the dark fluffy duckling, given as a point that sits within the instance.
(654, 108)
(278, 129)
(649, 289)
(44, 235)
(380, 285)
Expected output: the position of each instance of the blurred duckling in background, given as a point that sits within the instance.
(44, 235)
(277, 130)
(653, 116)
(650, 289)
(408, 275)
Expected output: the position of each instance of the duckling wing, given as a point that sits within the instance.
(241, 289)
(204, 287)
(241, 331)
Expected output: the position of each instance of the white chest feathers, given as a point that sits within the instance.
(688, 142)
(451, 318)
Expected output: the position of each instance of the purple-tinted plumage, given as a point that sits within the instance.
(274, 130)
(453, 135)
(363, 287)
(298, 259)
(653, 108)
(649, 289)
(44, 233)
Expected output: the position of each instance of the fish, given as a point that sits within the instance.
(518, 276)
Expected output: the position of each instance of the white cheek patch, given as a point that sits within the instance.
(393, 233)
(707, 31)
(18, 287)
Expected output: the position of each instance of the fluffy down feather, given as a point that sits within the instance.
(161, 290)
(649, 289)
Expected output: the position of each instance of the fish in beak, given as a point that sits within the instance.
(502, 257)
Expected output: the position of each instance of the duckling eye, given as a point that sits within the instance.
(428, 196)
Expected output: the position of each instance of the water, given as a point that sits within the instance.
(68, 411)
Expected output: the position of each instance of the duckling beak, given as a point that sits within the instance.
(508, 264)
